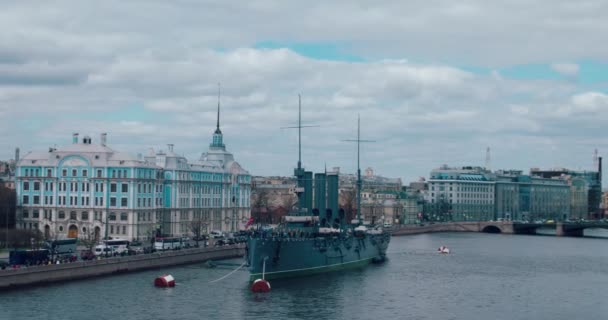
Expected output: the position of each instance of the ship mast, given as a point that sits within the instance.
(299, 171)
(359, 182)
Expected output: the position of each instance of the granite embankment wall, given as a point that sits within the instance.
(15, 278)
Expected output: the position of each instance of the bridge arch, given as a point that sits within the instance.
(491, 229)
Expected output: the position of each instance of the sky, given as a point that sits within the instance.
(434, 82)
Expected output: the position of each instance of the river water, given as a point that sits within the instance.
(487, 276)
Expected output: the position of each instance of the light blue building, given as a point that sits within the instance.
(477, 194)
(87, 189)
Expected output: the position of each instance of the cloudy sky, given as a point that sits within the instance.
(435, 82)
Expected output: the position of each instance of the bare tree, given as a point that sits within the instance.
(348, 202)
(89, 239)
(289, 202)
(198, 226)
(8, 199)
(20, 238)
(259, 203)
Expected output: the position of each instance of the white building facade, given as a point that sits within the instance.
(87, 189)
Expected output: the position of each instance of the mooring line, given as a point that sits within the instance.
(233, 271)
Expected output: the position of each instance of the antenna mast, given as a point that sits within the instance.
(595, 160)
(359, 182)
(488, 161)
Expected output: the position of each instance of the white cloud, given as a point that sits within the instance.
(151, 79)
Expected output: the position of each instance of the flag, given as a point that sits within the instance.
(249, 222)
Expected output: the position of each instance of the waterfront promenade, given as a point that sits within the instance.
(36, 275)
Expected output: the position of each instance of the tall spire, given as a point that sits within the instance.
(217, 130)
(218, 139)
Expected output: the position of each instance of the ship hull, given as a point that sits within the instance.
(295, 257)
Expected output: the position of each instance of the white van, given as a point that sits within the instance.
(216, 234)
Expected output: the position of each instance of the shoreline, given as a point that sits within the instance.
(62, 273)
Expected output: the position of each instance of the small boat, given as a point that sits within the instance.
(443, 249)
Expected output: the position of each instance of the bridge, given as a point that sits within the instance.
(569, 229)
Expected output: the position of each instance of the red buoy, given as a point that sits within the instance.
(260, 285)
(164, 281)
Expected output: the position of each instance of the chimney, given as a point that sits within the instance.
(75, 138)
(103, 138)
(170, 146)
(16, 155)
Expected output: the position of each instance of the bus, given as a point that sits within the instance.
(63, 247)
(28, 257)
(112, 247)
(168, 243)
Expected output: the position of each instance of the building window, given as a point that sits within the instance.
(84, 216)
(61, 228)
(61, 215)
(73, 215)
(36, 199)
(36, 186)
(124, 216)
(26, 214)
(123, 202)
(125, 188)
(112, 216)
(113, 187)
(111, 229)
(124, 229)
(74, 172)
(49, 173)
(112, 202)
(26, 186)
(98, 173)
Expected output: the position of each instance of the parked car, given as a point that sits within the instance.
(4, 264)
(203, 237)
(87, 255)
(136, 243)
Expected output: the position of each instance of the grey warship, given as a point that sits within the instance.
(315, 237)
